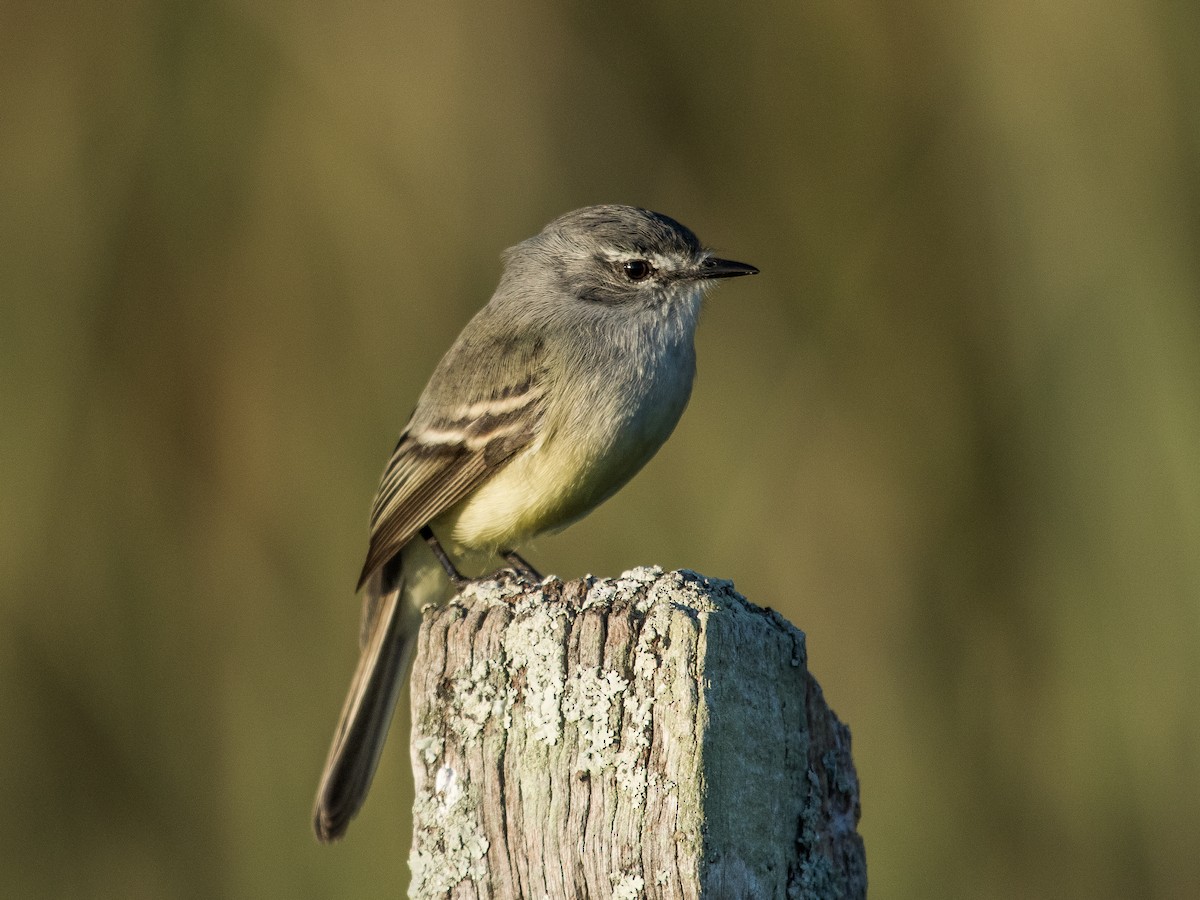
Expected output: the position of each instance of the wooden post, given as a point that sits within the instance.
(651, 736)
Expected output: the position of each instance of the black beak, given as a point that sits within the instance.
(723, 268)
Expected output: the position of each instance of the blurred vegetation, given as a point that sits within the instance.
(952, 431)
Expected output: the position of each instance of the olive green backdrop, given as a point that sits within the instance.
(952, 430)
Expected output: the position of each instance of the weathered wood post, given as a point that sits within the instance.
(650, 736)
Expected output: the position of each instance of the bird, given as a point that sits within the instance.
(552, 397)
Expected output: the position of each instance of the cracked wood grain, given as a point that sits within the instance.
(651, 736)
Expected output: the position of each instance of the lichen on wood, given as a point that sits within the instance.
(651, 736)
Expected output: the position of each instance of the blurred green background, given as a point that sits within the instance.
(952, 430)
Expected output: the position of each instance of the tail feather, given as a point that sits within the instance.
(389, 639)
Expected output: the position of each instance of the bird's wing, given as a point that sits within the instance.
(438, 462)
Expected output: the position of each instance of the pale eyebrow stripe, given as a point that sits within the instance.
(661, 262)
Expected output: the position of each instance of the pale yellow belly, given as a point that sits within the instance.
(552, 484)
(532, 494)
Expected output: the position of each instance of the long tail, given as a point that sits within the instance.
(390, 630)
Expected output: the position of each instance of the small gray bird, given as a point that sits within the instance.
(555, 394)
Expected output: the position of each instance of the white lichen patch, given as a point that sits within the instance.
(474, 697)
(494, 590)
(429, 747)
(600, 593)
(697, 592)
(645, 664)
(637, 584)
(534, 646)
(588, 703)
(627, 886)
(642, 574)
(632, 774)
(631, 587)
(450, 844)
(647, 653)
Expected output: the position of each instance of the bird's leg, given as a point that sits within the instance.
(455, 576)
(519, 564)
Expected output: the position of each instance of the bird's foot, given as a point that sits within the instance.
(519, 567)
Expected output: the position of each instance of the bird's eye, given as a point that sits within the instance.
(637, 269)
